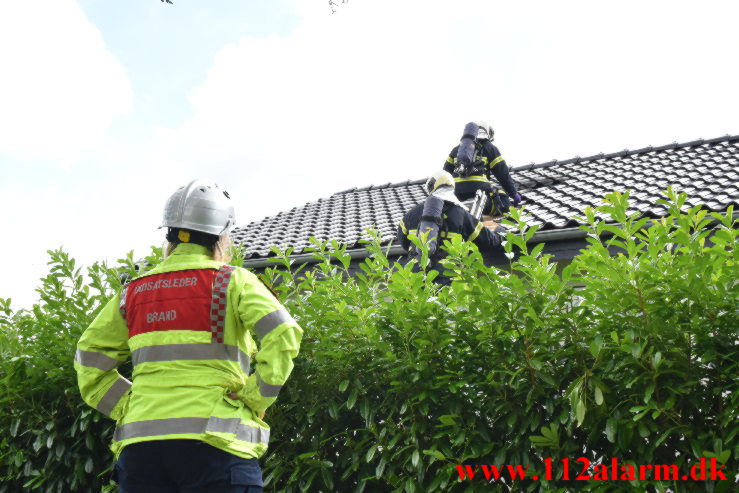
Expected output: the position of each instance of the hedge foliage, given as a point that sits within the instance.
(633, 356)
(49, 439)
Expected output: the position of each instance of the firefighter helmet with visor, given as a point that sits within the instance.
(485, 131)
(438, 179)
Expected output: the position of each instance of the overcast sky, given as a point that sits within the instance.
(106, 107)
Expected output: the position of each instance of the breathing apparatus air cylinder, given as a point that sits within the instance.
(431, 223)
(466, 151)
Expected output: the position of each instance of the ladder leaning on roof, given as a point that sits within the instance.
(475, 205)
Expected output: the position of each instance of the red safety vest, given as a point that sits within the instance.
(181, 300)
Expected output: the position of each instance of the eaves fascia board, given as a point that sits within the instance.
(397, 250)
(308, 258)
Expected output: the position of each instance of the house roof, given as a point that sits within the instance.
(554, 193)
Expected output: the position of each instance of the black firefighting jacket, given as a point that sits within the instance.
(456, 221)
(490, 163)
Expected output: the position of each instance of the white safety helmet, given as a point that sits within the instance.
(485, 131)
(438, 179)
(201, 205)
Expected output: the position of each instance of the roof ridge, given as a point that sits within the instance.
(554, 162)
(381, 187)
(626, 152)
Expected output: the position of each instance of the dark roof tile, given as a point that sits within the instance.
(555, 193)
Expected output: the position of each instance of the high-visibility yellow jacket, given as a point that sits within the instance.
(187, 327)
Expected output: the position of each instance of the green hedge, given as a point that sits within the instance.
(49, 439)
(632, 356)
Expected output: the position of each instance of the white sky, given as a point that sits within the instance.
(107, 107)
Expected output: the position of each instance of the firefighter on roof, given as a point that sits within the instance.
(474, 162)
(441, 217)
(191, 418)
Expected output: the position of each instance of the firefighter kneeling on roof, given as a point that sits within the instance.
(192, 418)
(441, 216)
(474, 162)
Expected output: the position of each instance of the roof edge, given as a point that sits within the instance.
(395, 249)
(626, 152)
(381, 187)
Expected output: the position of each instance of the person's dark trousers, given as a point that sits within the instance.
(498, 202)
(184, 466)
(465, 190)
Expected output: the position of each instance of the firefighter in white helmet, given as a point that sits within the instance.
(473, 170)
(191, 419)
(441, 217)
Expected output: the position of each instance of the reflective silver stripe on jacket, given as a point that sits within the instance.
(218, 302)
(95, 360)
(178, 426)
(175, 352)
(267, 389)
(122, 304)
(271, 321)
(113, 395)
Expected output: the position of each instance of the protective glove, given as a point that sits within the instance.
(517, 199)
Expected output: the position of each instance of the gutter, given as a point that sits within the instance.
(397, 250)
(573, 233)
(307, 258)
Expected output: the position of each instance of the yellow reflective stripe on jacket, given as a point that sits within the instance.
(186, 352)
(402, 227)
(266, 389)
(476, 231)
(192, 426)
(442, 234)
(471, 178)
(496, 161)
(115, 393)
(271, 321)
(482, 159)
(94, 359)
